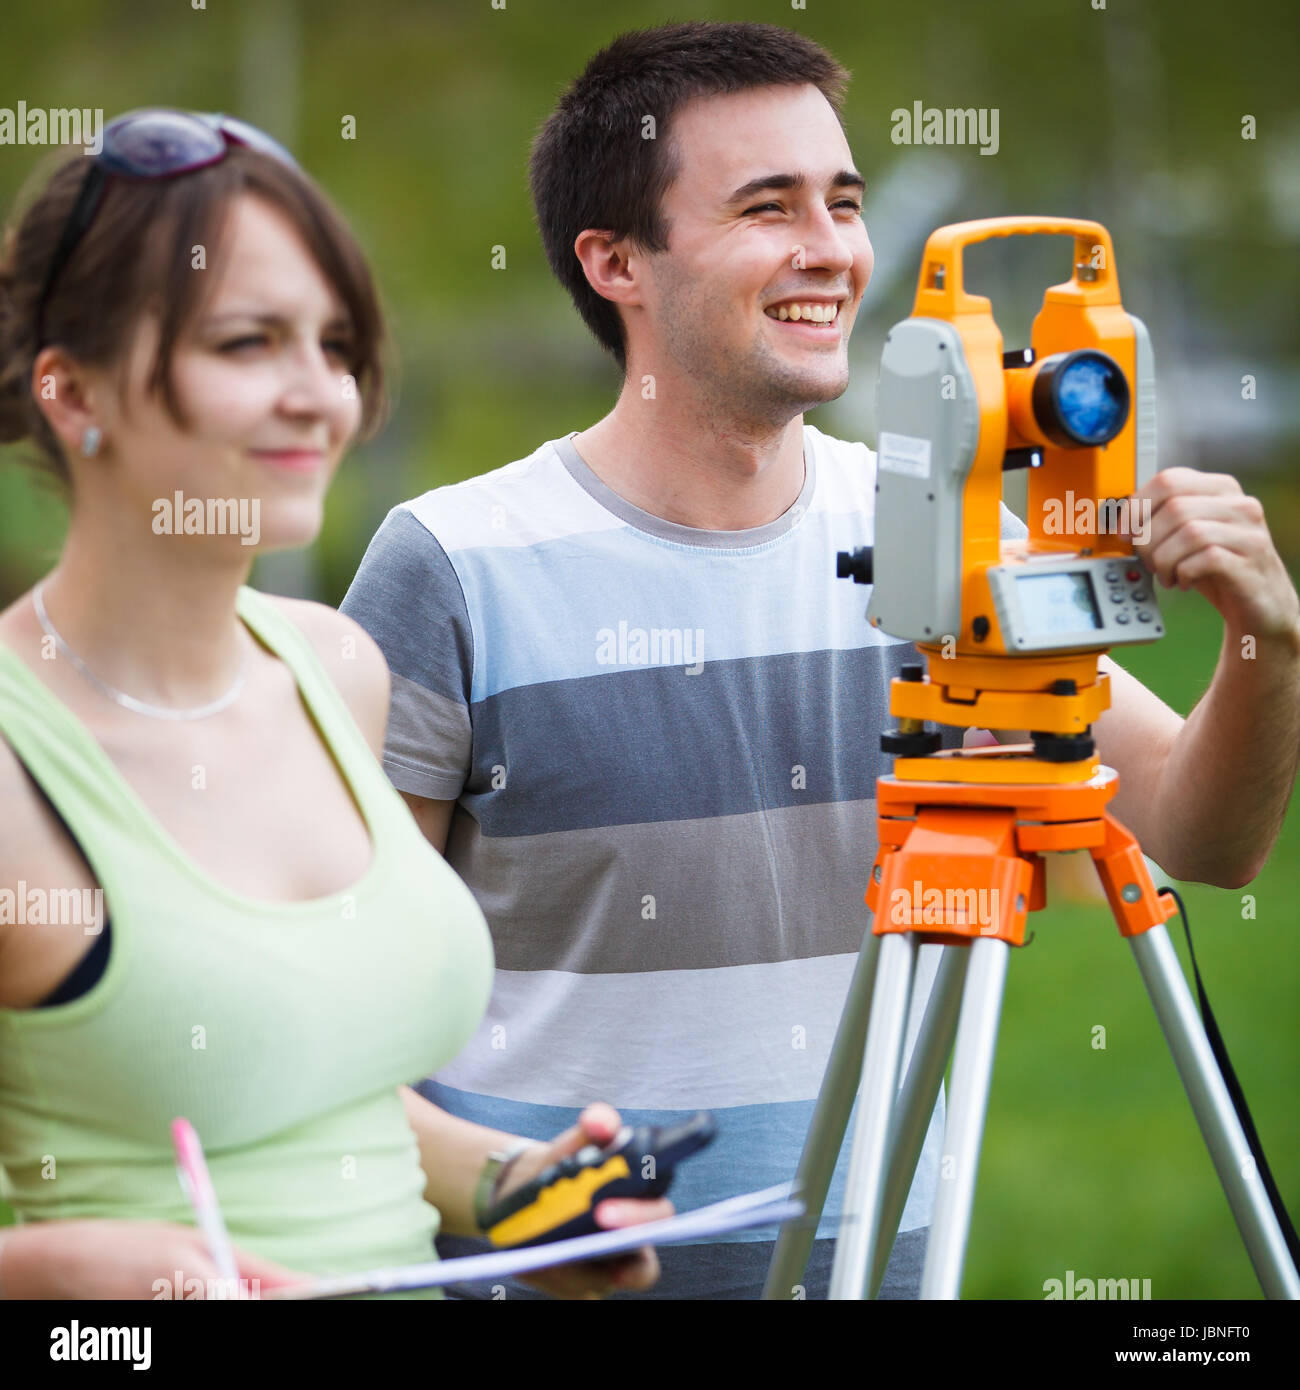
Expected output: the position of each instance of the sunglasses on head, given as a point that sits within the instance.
(154, 143)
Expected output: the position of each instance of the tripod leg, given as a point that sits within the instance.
(916, 1101)
(826, 1132)
(972, 1075)
(880, 1065)
(1214, 1112)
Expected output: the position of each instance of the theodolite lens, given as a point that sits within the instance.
(1080, 399)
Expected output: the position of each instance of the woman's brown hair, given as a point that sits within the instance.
(138, 257)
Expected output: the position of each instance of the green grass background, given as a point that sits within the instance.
(1092, 1160)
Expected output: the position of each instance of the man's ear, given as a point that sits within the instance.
(611, 267)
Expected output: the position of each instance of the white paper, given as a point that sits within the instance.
(769, 1207)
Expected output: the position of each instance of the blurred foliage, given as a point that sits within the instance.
(1130, 115)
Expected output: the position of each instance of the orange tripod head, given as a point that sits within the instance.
(1016, 626)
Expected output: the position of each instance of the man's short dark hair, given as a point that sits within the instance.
(593, 162)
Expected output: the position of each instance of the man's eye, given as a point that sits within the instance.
(843, 203)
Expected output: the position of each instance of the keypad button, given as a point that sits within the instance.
(1121, 616)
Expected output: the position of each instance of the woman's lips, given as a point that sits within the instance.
(295, 460)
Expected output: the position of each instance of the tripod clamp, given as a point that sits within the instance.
(912, 739)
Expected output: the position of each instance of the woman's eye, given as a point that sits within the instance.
(337, 347)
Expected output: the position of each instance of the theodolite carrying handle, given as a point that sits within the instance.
(941, 293)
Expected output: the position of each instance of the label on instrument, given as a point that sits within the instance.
(905, 454)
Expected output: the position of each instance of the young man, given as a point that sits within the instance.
(631, 702)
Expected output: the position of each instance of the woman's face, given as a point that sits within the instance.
(261, 375)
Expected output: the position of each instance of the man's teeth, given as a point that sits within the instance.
(814, 313)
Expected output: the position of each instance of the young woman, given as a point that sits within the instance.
(189, 334)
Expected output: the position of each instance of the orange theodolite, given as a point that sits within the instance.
(1013, 630)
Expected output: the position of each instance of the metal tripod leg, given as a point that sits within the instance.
(880, 1066)
(972, 1074)
(826, 1132)
(1214, 1112)
(916, 1101)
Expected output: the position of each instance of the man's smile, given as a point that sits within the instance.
(805, 310)
(814, 318)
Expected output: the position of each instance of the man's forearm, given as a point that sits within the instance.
(452, 1154)
(1229, 774)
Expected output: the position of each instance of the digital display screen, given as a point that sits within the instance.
(1057, 603)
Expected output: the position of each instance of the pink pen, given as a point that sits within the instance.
(196, 1183)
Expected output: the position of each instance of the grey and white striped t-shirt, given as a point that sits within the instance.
(663, 744)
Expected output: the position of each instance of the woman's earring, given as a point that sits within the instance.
(90, 441)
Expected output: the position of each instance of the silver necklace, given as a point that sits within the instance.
(129, 701)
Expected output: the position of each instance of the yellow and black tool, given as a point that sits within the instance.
(560, 1201)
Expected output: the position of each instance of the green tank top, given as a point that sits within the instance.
(280, 1030)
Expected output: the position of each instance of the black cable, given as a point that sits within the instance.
(1235, 1091)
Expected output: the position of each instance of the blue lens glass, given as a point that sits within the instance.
(1092, 398)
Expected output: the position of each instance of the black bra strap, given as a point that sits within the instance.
(86, 973)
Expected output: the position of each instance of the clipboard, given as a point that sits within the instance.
(770, 1206)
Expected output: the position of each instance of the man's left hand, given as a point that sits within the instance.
(633, 1272)
(1206, 534)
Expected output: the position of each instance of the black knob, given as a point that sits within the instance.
(855, 565)
(980, 627)
(1064, 687)
(912, 671)
(917, 745)
(1063, 748)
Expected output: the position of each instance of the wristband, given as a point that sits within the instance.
(498, 1164)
